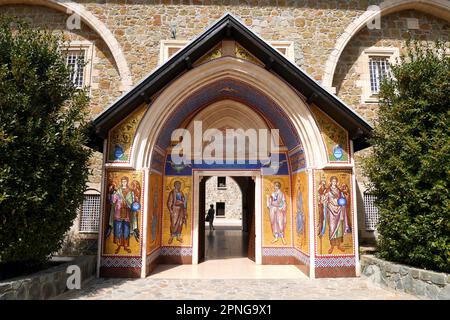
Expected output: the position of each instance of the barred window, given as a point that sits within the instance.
(90, 213)
(379, 68)
(371, 212)
(222, 182)
(75, 61)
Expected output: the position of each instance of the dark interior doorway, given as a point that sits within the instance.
(227, 242)
(220, 209)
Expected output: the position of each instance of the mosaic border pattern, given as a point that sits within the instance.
(229, 88)
(277, 252)
(153, 256)
(176, 251)
(302, 257)
(333, 262)
(121, 262)
(286, 252)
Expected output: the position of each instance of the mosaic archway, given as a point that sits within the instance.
(315, 172)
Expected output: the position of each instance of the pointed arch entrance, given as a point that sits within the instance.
(230, 79)
(237, 90)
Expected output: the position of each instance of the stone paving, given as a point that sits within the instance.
(232, 289)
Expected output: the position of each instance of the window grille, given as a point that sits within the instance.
(371, 212)
(75, 62)
(90, 213)
(222, 182)
(379, 68)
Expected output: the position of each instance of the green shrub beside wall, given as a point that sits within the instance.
(43, 161)
(409, 166)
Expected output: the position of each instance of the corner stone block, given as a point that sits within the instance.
(4, 287)
(404, 270)
(415, 273)
(34, 292)
(419, 288)
(48, 290)
(425, 275)
(439, 279)
(408, 284)
(445, 294)
(432, 292)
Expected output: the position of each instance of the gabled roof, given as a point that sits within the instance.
(229, 27)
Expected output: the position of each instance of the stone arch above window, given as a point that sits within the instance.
(70, 8)
(438, 8)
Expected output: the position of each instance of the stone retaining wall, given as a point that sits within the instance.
(419, 282)
(47, 283)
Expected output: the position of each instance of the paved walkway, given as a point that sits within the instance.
(228, 275)
(231, 279)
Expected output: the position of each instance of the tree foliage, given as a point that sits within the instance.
(409, 167)
(43, 161)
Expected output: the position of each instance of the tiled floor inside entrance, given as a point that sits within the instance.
(226, 258)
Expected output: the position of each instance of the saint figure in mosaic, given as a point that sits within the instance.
(300, 215)
(177, 204)
(123, 218)
(276, 203)
(333, 205)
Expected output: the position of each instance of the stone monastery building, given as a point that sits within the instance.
(310, 69)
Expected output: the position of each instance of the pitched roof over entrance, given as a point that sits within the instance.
(228, 27)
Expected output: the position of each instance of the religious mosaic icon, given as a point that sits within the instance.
(177, 205)
(155, 215)
(124, 202)
(121, 137)
(277, 205)
(300, 217)
(334, 212)
(334, 136)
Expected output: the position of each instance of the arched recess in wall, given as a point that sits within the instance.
(230, 114)
(438, 8)
(69, 7)
(155, 119)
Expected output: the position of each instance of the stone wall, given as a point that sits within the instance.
(313, 26)
(48, 283)
(393, 34)
(420, 282)
(231, 196)
(105, 78)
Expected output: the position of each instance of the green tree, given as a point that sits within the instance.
(43, 160)
(409, 165)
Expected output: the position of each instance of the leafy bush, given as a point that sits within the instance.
(43, 161)
(409, 166)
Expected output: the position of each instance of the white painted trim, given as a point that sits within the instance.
(195, 218)
(166, 45)
(258, 208)
(392, 53)
(101, 232)
(155, 118)
(355, 219)
(121, 165)
(89, 56)
(70, 8)
(258, 219)
(439, 8)
(312, 227)
(144, 239)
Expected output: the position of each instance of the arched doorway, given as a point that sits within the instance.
(155, 149)
(228, 104)
(233, 235)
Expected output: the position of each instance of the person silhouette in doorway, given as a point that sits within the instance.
(211, 217)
